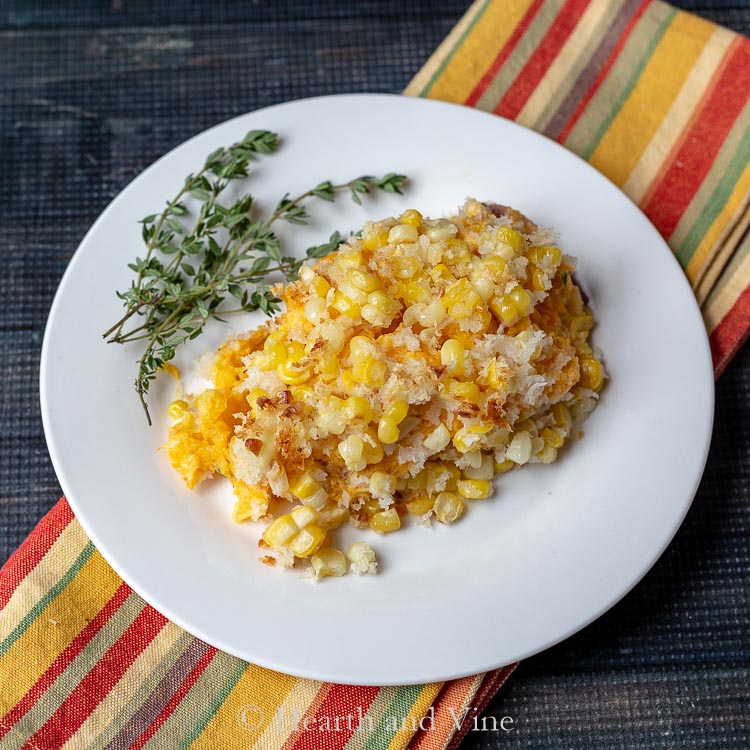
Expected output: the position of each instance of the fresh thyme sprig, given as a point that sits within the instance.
(189, 271)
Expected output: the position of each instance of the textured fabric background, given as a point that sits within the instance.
(91, 93)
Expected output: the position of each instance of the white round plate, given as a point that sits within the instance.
(552, 550)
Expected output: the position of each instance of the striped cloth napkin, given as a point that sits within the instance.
(656, 99)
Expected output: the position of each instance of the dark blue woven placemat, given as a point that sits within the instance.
(92, 92)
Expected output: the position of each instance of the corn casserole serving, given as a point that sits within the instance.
(412, 366)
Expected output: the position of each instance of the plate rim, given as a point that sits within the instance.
(321, 675)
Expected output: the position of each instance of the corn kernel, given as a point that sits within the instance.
(538, 279)
(397, 411)
(448, 507)
(332, 517)
(519, 450)
(562, 416)
(364, 281)
(464, 391)
(411, 217)
(485, 470)
(592, 374)
(369, 371)
(521, 300)
(328, 562)
(452, 355)
(385, 521)
(374, 241)
(420, 503)
(276, 355)
(383, 303)
(387, 431)
(362, 559)
(306, 274)
(293, 374)
(177, 409)
(552, 437)
(252, 399)
(345, 305)
(315, 309)
(502, 467)
(504, 310)
(541, 253)
(280, 531)
(494, 265)
(405, 267)
(304, 486)
(468, 438)
(437, 439)
(350, 449)
(509, 238)
(415, 291)
(359, 407)
(440, 230)
(431, 314)
(456, 251)
(474, 489)
(372, 449)
(403, 233)
(307, 540)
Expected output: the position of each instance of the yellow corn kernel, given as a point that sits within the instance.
(467, 438)
(372, 506)
(485, 470)
(303, 393)
(519, 450)
(431, 314)
(349, 258)
(307, 540)
(420, 503)
(403, 233)
(493, 375)
(411, 217)
(405, 267)
(177, 409)
(415, 291)
(276, 355)
(362, 280)
(306, 274)
(562, 416)
(293, 374)
(315, 309)
(460, 291)
(332, 516)
(385, 521)
(510, 237)
(484, 287)
(440, 230)
(345, 305)
(320, 285)
(369, 371)
(374, 241)
(463, 391)
(350, 449)
(452, 355)
(387, 431)
(281, 531)
(362, 559)
(504, 310)
(540, 253)
(360, 346)
(278, 336)
(329, 367)
(444, 475)
(437, 439)
(372, 449)
(441, 272)
(456, 251)
(501, 467)
(304, 486)
(449, 507)
(328, 562)
(592, 374)
(526, 425)
(295, 351)
(474, 489)
(494, 265)
(383, 303)
(252, 399)
(553, 437)
(397, 411)
(521, 300)
(538, 279)
(358, 407)
(547, 455)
